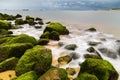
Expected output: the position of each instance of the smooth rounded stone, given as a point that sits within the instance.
(91, 49)
(74, 55)
(37, 19)
(64, 59)
(71, 46)
(38, 27)
(20, 27)
(60, 44)
(102, 39)
(91, 30)
(93, 43)
(102, 69)
(70, 71)
(92, 56)
(108, 53)
(54, 74)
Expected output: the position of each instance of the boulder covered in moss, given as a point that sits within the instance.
(102, 69)
(8, 64)
(31, 22)
(29, 17)
(31, 75)
(71, 46)
(54, 74)
(5, 25)
(56, 27)
(38, 59)
(18, 16)
(23, 38)
(64, 59)
(86, 76)
(45, 35)
(19, 22)
(5, 32)
(4, 40)
(43, 41)
(13, 50)
(54, 35)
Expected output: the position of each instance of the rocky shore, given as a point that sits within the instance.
(52, 55)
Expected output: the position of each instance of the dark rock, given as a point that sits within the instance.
(38, 19)
(94, 43)
(91, 30)
(92, 56)
(71, 47)
(18, 16)
(19, 21)
(41, 22)
(38, 27)
(48, 22)
(60, 44)
(45, 35)
(108, 53)
(64, 59)
(54, 35)
(43, 41)
(74, 55)
(102, 69)
(38, 59)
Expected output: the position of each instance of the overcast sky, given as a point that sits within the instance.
(59, 4)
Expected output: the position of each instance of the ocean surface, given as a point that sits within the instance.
(107, 21)
(77, 22)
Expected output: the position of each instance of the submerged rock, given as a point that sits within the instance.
(8, 64)
(86, 76)
(94, 43)
(38, 27)
(56, 27)
(74, 55)
(71, 47)
(60, 44)
(102, 69)
(64, 59)
(108, 53)
(13, 50)
(31, 75)
(54, 74)
(38, 59)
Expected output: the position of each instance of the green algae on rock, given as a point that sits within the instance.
(19, 22)
(54, 74)
(102, 69)
(5, 25)
(43, 41)
(86, 76)
(56, 27)
(70, 71)
(71, 46)
(31, 75)
(45, 35)
(38, 59)
(13, 50)
(8, 64)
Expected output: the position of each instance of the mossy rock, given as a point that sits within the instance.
(41, 22)
(5, 39)
(91, 30)
(37, 19)
(8, 64)
(86, 76)
(102, 69)
(71, 47)
(13, 50)
(30, 22)
(54, 74)
(94, 43)
(19, 22)
(38, 59)
(29, 17)
(54, 35)
(18, 16)
(5, 32)
(92, 56)
(45, 35)
(5, 25)
(43, 41)
(56, 27)
(70, 71)
(31, 75)
(23, 38)
(64, 59)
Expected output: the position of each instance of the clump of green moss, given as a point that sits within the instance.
(70, 71)
(31, 75)
(56, 27)
(38, 59)
(19, 22)
(54, 35)
(102, 69)
(8, 64)
(13, 50)
(54, 74)
(45, 35)
(5, 25)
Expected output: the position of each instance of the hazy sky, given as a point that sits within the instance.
(60, 4)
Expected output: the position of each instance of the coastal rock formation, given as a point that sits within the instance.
(38, 59)
(102, 69)
(8, 64)
(54, 74)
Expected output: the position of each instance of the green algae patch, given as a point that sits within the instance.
(102, 69)
(54, 74)
(5, 25)
(31, 75)
(38, 59)
(54, 26)
(8, 64)
(13, 50)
